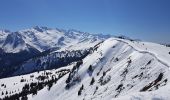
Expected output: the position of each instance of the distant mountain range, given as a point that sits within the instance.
(20, 47)
(43, 38)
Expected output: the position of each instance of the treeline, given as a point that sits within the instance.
(34, 87)
(73, 78)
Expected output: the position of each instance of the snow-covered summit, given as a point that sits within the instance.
(44, 38)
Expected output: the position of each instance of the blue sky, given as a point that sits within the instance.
(144, 19)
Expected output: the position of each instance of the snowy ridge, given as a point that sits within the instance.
(156, 50)
(115, 69)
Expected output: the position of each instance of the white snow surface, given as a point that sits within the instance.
(129, 66)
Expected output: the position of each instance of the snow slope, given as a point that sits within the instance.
(121, 69)
(14, 85)
(157, 50)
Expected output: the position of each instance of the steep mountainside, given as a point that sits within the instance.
(117, 69)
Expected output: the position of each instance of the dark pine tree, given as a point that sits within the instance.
(80, 90)
(6, 92)
(2, 93)
(92, 81)
(90, 68)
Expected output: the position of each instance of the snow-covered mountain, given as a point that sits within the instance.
(22, 47)
(116, 69)
(43, 38)
(50, 61)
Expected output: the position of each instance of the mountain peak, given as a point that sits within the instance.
(40, 28)
(5, 31)
(43, 38)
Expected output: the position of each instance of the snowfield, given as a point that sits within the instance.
(116, 69)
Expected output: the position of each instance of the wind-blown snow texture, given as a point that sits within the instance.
(120, 69)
